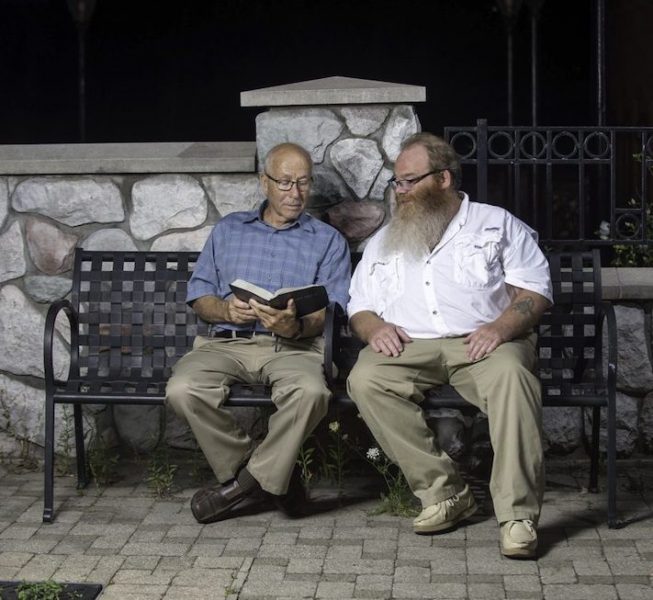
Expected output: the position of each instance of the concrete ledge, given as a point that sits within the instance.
(334, 90)
(155, 157)
(627, 283)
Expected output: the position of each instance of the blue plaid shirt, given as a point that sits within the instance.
(243, 246)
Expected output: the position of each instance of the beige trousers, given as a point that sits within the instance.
(200, 384)
(388, 391)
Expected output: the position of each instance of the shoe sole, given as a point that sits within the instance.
(523, 553)
(448, 524)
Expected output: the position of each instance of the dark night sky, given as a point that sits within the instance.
(165, 71)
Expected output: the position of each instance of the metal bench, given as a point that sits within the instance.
(129, 324)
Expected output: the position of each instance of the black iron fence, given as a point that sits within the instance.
(577, 186)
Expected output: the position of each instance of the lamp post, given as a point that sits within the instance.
(535, 6)
(510, 11)
(81, 11)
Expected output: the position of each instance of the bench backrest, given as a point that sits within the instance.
(133, 317)
(134, 321)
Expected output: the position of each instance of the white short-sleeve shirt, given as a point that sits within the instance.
(461, 284)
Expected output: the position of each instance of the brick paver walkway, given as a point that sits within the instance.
(142, 547)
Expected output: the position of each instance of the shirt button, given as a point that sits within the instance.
(427, 283)
(434, 312)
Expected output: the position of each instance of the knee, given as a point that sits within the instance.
(361, 381)
(312, 396)
(178, 394)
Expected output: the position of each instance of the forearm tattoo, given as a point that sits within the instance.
(524, 307)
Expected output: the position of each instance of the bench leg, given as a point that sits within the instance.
(594, 451)
(48, 484)
(82, 471)
(612, 465)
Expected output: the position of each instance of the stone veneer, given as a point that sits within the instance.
(167, 197)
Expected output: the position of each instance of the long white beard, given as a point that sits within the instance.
(417, 227)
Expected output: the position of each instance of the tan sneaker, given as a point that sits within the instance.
(518, 539)
(445, 514)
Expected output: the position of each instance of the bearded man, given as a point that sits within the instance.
(449, 292)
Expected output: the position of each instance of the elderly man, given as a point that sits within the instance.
(276, 246)
(449, 292)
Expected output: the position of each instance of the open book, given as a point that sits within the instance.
(308, 298)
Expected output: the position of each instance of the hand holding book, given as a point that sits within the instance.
(307, 298)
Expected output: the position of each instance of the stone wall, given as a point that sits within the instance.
(43, 218)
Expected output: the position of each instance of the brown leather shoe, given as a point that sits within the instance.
(213, 503)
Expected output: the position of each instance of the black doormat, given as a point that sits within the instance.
(70, 591)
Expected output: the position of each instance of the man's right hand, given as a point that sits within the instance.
(239, 312)
(388, 339)
(381, 336)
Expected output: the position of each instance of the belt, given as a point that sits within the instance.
(233, 334)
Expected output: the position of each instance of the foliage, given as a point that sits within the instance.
(334, 462)
(43, 590)
(65, 443)
(305, 460)
(636, 255)
(161, 472)
(103, 463)
(399, 499)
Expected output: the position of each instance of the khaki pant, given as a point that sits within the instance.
(200, 384)
(388, 391)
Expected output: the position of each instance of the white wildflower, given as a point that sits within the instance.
(373, 454)
(334, 426)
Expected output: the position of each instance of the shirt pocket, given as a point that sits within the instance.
(387, 276)
(477, 262)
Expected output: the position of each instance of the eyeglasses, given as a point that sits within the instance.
(285, 185)
(409, 184)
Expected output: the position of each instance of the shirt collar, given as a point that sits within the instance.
(304, 220)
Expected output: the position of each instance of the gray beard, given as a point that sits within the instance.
(416, 228)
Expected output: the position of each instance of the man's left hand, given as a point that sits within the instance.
(282, 322)
(484, 340)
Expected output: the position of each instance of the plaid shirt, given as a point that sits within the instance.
(243, 246)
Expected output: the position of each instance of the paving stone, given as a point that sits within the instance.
(580, 592)
(635, 592)
(296, 551)
(522, 583)
(429, 590)
(40, 567)
(557, 573)
(305, 565)
(119, 591)
(142, 577)
(162, 549)
(332, 589)
(359, 567)
(416, 574)
(485, 591)
(14, 559)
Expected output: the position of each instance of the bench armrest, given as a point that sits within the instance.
(48, 340)
(332, 323)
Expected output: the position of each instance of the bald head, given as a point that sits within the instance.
(285, 151)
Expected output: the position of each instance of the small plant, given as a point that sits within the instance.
(44, 590)
(65, 443)
(399, 500)
(161, 473)
(305, 460)
(103, 463)
(336, 459)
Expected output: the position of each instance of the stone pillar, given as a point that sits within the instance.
(353, 129)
